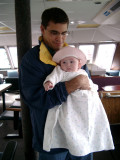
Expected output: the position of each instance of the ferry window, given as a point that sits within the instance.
(88, 50)
(105, 55)
(4, 62)
(13, 53)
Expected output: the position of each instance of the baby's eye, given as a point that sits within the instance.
(71, 62)
(64, 62)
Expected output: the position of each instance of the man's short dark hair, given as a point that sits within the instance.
(55, 15)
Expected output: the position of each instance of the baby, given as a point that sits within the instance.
(68, 64)
(80, 124)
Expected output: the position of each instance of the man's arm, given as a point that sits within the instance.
(79, 82)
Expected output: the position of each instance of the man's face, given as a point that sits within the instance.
(54, 35)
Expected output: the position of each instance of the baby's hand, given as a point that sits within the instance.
(48, 85)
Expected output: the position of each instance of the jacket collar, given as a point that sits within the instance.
(44, 54)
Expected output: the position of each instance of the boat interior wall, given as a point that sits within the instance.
(88, 36)
(104, 34)
(111, 32)
(8, 40)
(116, 59)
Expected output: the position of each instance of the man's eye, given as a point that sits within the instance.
(64, 33)
(54, 33)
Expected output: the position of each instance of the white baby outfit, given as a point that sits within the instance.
(80, 124)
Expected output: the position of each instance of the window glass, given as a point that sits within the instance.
(88, 51)
(4, 62)
(13, 53)
(105, 55)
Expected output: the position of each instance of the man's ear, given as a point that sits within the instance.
(42, 28)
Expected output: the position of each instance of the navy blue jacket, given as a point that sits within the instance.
(32, 75)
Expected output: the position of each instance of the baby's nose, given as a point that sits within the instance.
(68, 64)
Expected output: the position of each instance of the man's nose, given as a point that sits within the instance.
(59, 36)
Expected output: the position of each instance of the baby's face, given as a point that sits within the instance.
(70, 64)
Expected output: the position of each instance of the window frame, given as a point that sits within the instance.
(96, 46)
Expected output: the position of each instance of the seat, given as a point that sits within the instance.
(12, 73)
(9, 151)
(111, 103)
(12, 77)
(13, 113)
(1, 78)
(15, 85)
(113, 73)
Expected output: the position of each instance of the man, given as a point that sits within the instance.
(36, 65)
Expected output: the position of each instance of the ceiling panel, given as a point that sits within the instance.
(77, 10)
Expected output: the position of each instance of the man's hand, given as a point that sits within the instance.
(79, 82)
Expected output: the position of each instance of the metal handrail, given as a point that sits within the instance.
(112, 96)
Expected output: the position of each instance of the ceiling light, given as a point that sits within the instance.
(4, 29)
(8, 33)
(81, 22)
(72, 22)
(77, 22)
(87, 25)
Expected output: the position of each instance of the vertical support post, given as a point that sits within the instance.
(24, 43)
